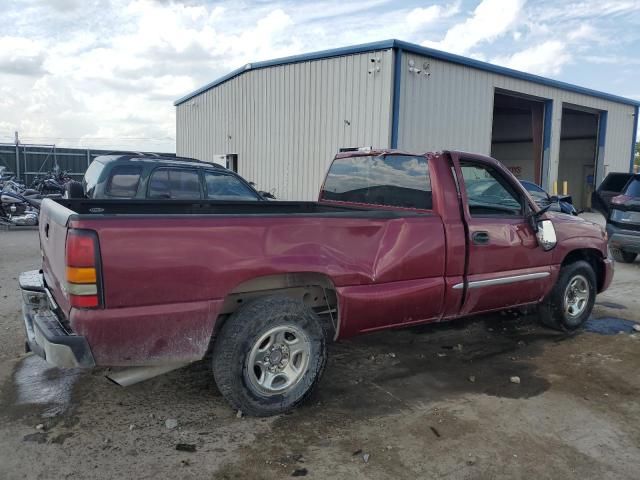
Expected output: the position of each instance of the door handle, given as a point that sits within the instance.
(480, 238)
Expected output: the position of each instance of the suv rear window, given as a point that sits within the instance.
(614, 182)
(633, 189)
(124, 181)
(91, 176)
(390, 180)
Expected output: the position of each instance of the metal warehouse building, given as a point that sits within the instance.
(279, 123)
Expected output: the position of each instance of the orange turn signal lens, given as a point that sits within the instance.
(81, 274)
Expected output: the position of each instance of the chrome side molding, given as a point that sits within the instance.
(503, 280)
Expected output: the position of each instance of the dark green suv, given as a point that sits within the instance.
(139, 176)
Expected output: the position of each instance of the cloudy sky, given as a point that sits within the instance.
(105, 74)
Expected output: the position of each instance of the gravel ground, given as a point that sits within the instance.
(429, 402)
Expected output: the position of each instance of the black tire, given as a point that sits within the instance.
(622, 256)
(238, 336)
(73, 189)
(552, 312)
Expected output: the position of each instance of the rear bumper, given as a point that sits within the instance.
(46, 336)
(627, 240)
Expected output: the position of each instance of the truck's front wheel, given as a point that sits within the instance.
(269, 355)
(571, 301)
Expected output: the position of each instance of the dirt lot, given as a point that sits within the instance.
(432, 402)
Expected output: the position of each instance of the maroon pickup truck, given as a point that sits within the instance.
(395, 239)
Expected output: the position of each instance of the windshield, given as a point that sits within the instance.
(390, 180)
(535, 191)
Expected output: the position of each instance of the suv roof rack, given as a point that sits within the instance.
(156, 155)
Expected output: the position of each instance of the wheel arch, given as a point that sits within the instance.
(593, 257)
(314, 289)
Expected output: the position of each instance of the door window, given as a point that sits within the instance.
(488, 193)
(221, 186)
(175, 184)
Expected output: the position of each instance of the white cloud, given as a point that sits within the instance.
(420, 17)
(490, 20)
(548, 58)
(21, 56)
(78, 72)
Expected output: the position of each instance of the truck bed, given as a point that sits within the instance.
(102, 208)
(168, 266)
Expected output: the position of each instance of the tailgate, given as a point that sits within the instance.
(53, 236)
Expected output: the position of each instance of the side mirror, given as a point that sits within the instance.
(267, 195)
(546, 235)
(533, 217)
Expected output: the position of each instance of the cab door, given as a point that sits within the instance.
(505, 266)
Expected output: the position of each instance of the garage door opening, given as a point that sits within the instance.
(578, 154)
(517, 135)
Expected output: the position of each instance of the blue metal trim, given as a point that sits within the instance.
(546, 143)
(410, 47)
(602, 129)
(395, 114)
(469, 62)
(634, 139)
(602, 137)
(305, 57)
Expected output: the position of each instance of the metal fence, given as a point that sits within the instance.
(27, 162)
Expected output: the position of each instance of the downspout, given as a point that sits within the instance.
(395, 112)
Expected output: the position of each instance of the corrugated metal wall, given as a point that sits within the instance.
(452, 108)
(286, 123)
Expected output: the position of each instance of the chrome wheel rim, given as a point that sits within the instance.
(278, 359)
(576, 296)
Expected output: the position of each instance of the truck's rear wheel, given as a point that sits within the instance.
(269, 355)
(571, 301)
(622, 256)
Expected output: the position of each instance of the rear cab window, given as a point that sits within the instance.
(386, 180)
(124, 181)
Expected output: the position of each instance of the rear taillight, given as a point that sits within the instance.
(83, 269)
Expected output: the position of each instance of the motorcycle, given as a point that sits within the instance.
(17, 209)
(51, 183)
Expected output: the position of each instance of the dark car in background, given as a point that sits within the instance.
(618, 199)
(558, 203)
(140, 176)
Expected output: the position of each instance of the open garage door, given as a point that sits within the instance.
(517, 134)
(579, 152)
